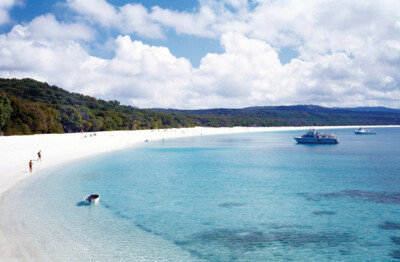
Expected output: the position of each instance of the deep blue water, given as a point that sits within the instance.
(243, 197)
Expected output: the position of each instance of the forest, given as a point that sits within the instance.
(29, 107)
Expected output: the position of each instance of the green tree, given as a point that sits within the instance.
(53, 120)
(5, 110)
(71, 119)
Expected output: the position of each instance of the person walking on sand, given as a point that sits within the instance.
(30, 166)
(39, 154)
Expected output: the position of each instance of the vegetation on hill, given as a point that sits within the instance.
(298, 115)
(31, 107)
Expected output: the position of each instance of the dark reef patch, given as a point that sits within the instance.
(369, 244)
(239, 241)
(395, 254)
(216, 244)
(387, 225)
(377, 197)
(284, 226)
(300, 239)
(197, 254)
(307, 196)
(321, 213)
(344, 252)
(234, 239)
(231, 204)
(395, 240)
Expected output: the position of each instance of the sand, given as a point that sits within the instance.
(16, 151)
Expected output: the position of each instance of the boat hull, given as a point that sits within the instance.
(92, 200)
(364, 133)
(313, 137)
(312, 141)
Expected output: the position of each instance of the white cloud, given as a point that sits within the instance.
(247, 73)
(130, 18)
(47, 27)
(346, 58)
(186, 23)
(312, 27)
(4, 18)
(5, 5)
(134, 18)
(22, 56)
(132, 75)
(96, 11)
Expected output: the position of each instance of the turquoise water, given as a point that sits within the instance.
(243, 197)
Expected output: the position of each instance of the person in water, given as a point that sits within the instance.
(39, 155)
(30, 166)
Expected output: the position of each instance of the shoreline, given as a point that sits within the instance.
(63, 148)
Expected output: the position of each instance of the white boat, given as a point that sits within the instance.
(92, 199)
(363, 131)
(314, 137)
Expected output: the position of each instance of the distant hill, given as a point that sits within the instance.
(293, 108)
(373, 109)
(28, 106)
(296, 115)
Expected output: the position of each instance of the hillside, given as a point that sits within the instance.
(31, 107)
(297, 115)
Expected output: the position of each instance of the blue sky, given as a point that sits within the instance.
(208, 53)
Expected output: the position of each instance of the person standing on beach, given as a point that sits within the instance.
(39, 155)
(30, 166)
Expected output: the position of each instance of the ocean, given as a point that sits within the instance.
(240, 197)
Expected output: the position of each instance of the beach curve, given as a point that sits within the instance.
(62, 148)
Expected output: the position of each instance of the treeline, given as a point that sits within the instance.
(31, 107)
(298, 115)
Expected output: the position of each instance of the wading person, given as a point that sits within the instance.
(30, 166)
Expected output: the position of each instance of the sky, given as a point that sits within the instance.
(190, 54)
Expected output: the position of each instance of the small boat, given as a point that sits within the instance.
(314, 137)
(363, 131)
(92, 199)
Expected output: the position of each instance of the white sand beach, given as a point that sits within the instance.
(16, 151)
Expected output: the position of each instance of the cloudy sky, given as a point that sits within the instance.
(208, 53)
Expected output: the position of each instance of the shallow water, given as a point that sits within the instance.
(243, 197)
